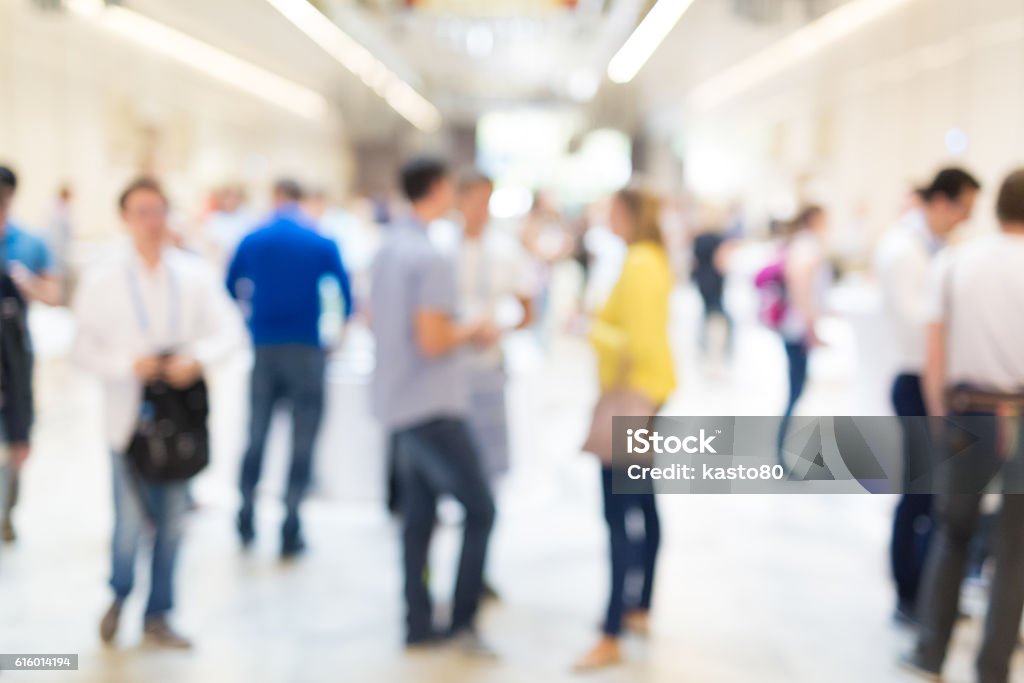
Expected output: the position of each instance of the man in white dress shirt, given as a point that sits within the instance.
(149, 312)
(903, 262)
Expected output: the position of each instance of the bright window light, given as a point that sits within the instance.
(203, 57)
(646, 39)
(791, 50)
(402, 97)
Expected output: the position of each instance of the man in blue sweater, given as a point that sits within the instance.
(276, 275)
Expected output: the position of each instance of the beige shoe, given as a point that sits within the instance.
(110, 622)
(638, 622)
(159, 633)
(606, 653)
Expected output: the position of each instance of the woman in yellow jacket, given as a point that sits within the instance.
(630, 336)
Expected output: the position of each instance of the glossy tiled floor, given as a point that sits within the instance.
(750, 588)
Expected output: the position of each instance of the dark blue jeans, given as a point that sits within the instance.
(912, 526)
(140, 508)
(797, 355)
(432, 459)
(292, 374)
(629, 556)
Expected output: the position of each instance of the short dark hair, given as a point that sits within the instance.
(950, 183)
(143, 184)
(289, 188)
(420, 175)
(8, 180)
(1010, 205)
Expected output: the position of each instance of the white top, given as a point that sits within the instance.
(125, 311)
(805, 250)
(492, 273)
(977, 290)
(903, 263)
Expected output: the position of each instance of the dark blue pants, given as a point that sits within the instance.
(912, 526)
(435, 458)
(797, 355)
(292, 374)
(629, 556)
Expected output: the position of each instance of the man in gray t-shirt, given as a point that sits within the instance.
(419, 396)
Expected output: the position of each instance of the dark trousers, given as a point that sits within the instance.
(957, 514)
(912, 526)
(13, 486)
(435, 458)
(797, 355)
(631, 557)
(714, 308)
(292, 374)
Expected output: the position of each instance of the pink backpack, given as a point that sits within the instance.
(770, 282)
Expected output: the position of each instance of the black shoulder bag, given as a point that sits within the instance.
(171, 440)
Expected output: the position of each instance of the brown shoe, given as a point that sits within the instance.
(8, 532)
(606, 653)
(638, 622)
(159, 633)
(110, 621)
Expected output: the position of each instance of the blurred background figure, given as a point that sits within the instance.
(903, 264)
(630, 335)
(16, 363)
(420, 396)
(150, 314)
(806, 277)
(711, 248)
(277, 274)
(974, 367)
(62, 231)
(228, 223)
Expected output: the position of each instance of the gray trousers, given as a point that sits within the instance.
(957, 512)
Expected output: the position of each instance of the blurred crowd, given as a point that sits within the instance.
(442, 284)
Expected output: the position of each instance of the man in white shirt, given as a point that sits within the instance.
(903, 262)
(494, 287)
(150, 312)
(975, 325)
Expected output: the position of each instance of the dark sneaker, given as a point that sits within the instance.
(469, 643)
(911, 664)
(488, 594)
(246, 530)
(292, 548)
(426, 643)
(110, 622)
(8, 532)
(160, 634)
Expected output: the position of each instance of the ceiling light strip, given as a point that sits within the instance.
(203, 57)
(791, 50)
(646, 39)
(402, 97)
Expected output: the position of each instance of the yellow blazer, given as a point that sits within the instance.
(631, 332)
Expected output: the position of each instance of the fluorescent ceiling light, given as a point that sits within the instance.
(402, 97)
(647, 37)
(203, 57)
(791, 50)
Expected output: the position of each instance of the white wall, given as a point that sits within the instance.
(856, 123)
(81, 105)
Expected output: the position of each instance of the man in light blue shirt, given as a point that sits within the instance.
(419, 396)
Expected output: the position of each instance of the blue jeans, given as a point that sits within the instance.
(912, 525)
(140, 508)
(629, 555)
(295, 374)
(797, 355)
(435, 458)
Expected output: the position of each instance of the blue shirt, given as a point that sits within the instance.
(276, 274)
(409, 275)
(26, 249)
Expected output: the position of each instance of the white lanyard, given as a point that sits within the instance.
(135, 288)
